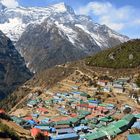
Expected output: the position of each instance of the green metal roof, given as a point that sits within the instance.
(17, 120)
(95, 136)
(106, 119)
(121, 123)
(128, 117)
(73, 120)
(137, 116)
(63, 122)
(84, 94)
(84, 112)
(111, 130)
(92, 125)
(99, 125)
(104, 105)
(91, 99)
(32, 102)
(84, 121)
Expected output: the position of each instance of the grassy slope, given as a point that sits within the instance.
(126, 55)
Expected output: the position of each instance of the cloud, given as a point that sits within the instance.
(10, 3)
(137, 21)
(114, 17)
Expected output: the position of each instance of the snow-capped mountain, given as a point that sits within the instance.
(14, 21)
(40, 32)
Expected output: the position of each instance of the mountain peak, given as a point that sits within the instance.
(62, 7)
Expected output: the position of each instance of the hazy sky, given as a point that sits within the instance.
(120, 15)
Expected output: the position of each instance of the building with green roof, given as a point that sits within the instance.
(113, 129)
(106, 119)
(95, 136)
(137, 116)
(128, 117)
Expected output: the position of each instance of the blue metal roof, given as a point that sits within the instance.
(136, 125)
(46, 120)
(94, 101)
(65, 130)
(47, 128)
(134, 137)
(31, 122)
(65, 136)
(78, 128)
(76, 92)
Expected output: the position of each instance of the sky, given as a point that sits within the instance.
(122, 16)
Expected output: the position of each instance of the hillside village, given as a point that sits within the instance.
(66, 74)
(78, 108)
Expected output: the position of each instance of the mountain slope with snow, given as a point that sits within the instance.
(47, 36)
(17, 19)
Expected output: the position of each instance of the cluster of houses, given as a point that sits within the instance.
(120, 85)
(78, 116)
(116, 86)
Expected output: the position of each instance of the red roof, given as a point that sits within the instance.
(73, 115)
(83, 105)
(91, 106)
(2, 111)
(86, 105)
(35, 132)
(28, 118)
(42, 109)
(90, 117)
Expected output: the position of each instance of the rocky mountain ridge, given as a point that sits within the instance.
(13, 71)
(53, 35)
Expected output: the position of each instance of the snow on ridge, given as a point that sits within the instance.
(60, 7)
(118, 36)
(20, 17)
(95, 37)
(13, 29)
(70, 33)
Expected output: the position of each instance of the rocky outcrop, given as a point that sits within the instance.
(13, 71)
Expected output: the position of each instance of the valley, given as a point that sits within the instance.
(63, 76)
(82, 102)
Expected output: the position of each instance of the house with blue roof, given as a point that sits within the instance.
(65, 134)
(45, 121)
(29, 124)
(69, 136)
(76, 94)
(81, 128)
(134, 137)
(92, 101)
(136, 125)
